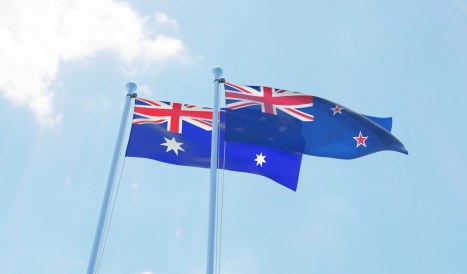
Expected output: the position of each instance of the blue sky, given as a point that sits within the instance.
(63, 70)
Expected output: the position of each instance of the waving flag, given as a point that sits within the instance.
(300, 123)
(180, 134)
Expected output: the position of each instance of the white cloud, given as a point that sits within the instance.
(163, 18)
(145, 272)
(37, 36)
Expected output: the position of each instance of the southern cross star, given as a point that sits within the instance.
(282, 129)
(337, 109)
(260, 159)
(361, 139)
(172, 145)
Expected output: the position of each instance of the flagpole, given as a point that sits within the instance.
(131, 93)
(217, 72)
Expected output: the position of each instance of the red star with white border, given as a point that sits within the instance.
(337, 109)
(360, 140)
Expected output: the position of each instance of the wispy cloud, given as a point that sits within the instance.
(38, 36)
(163, 18)
(145, 272)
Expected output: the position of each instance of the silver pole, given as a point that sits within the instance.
(131, 89)
(217, 72)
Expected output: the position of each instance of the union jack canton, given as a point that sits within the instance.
(159, 112)
(270, 100)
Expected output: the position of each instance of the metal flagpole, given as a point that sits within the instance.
(217, 72)
(131, 93)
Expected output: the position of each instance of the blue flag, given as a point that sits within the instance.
(180, 134)
(300, 123)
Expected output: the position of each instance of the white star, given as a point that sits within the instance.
(282, 129)
(172, 145)
(260, 159)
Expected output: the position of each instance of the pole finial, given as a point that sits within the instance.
(217, 72)
(131, 87)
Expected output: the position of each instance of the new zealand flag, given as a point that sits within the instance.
(180, 134)
(295, 122)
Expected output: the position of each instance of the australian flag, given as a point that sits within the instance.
(180, 134)
(301, 123)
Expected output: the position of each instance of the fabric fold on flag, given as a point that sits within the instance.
(180, 134)
(295, 122)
